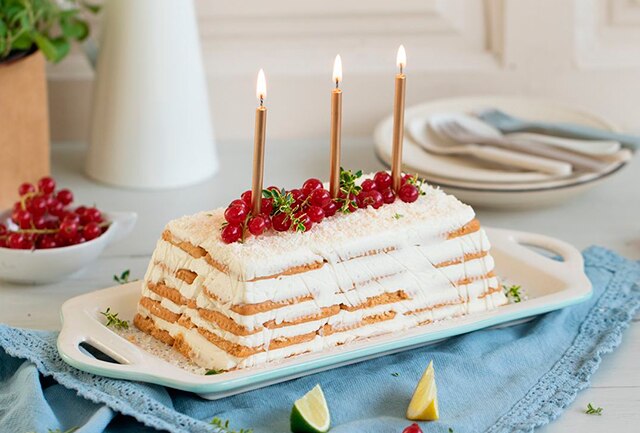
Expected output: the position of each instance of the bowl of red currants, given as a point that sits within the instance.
(46, 238)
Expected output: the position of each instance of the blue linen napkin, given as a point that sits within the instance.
(496, 380)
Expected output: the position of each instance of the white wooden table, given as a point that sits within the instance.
(606, 216)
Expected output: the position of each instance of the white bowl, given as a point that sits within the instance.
(51, 265)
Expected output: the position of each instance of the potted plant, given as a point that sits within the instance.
(31, 32)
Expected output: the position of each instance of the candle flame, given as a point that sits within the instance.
(261, 87)
(337, 70)
(401, 59)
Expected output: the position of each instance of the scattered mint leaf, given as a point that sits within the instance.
(113, 320)
(593, 410)
(223, 426)
(123, 278)
(514, 293)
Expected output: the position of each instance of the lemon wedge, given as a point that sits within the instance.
(424, 403)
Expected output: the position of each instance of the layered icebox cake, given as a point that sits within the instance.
(281, 294)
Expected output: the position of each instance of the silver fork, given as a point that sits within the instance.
(460, 133)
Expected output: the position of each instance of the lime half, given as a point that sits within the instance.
(310, 413)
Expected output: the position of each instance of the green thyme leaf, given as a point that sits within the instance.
(113, 320)
(395, 374)
(593, 410)
(223, 426)
(349, 189)
(212, 372)
(123, 278)
(398, 216)
(514, 293)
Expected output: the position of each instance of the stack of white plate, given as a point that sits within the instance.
(482, 183)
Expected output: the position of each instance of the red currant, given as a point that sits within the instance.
(46, 185)
(375, 199)
(28, 243)
(311, 185)
(281, 222)
(15, 241)
(299, 197)
(236, 215)
(23, 219)
(37, 205)
(413, 428)
(383, 180)
(305, 220)
(320, 197)
(239, 202)
(316, 214)
(47, 242)
(3, 242)
(68, 229)
(231, 233)
(369, 185)
(408, 193)
(26, 188)
(257, 225)
(39, 222)
(91, 231)
(71, 217)
(267, 221)
(246, 197)
(406, 178)
(267, 206)
(80, 210)
(360, 199)
(56, 208)
(330, 209)
(3, 230)
(93, 215)
(65, 197)
(388, 196)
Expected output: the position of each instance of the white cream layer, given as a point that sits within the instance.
(208, 355)
(467, 296)
(331, 278)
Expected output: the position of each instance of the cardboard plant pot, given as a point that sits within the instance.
(24, 124)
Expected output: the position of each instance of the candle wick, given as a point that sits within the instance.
(337, 84)
(401, 68)
(261, 100)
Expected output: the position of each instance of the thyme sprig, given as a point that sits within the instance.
(212, 372)
(123, 278)
(283, 202)
(514, 293)
(593, 410)
(223, 426)
(113, 320)
(349, 189)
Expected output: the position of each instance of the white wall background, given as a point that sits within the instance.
(580, 51)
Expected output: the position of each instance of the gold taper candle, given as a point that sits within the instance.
(258, 145)
(336, 128)
(398, 121)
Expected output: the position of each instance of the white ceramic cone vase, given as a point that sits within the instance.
(151, 126)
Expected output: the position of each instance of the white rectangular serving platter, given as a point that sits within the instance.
(549, 285)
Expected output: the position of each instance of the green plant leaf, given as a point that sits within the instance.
(62, 48)
(3, 29)
(46, 46)
(23, 42)
(74, 28)
(94, 9)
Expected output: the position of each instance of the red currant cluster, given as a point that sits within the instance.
(43, 219)
(300, 209)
